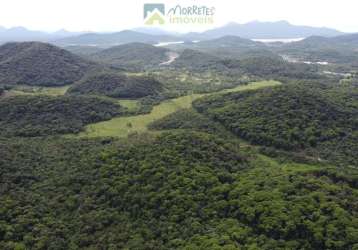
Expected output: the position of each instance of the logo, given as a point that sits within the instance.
(154, 13)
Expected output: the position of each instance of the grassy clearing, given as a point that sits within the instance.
(131, 105)
(123, 126)
(252, 86)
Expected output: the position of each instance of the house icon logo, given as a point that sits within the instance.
(154, 13)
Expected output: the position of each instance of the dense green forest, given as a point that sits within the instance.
(256, 64)
(42, 115)
(117, 85)
(198, 153)
(273, 67)
(133, 56)
(292, 117)
(188, 119)
(181, 190)
(35, 63)
(199, 61)
(83, 50)
(230, 47)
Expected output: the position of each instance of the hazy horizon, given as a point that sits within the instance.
(111, 15)
(159, 28)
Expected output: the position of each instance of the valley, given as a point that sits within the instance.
(134, 140)
(124, 126)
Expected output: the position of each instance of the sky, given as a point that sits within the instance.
(115, 15)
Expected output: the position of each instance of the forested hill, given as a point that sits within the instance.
(117, 85)
(295, 117)
(264, 65)
(42, 115)
(132, 56)
(222, 144)
(35, 63)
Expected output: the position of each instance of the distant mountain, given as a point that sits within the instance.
(230, 47)
(83, 50)
(251, 30)
(36, 63)
(65, 33)
(343, 41)
(351, 39)
(155, 31)
(112, 39)
(229, 41)
(132, 56)
(21, 34)
(339, 49)
(265, 30)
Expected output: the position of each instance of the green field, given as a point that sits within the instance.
(123, 126)
(131, 105)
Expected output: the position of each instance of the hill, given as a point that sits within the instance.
(83, 50)
(266, 30)
(113, 39)
(343, 40)
(117, 85)
(230, 47)
(273, 67)
(341, 50)
(21, 34)
(35, 63)
(135, 56)
(229, 41)
(322, 120)
(44, 115)
(255, 64)
(198, 61)
(319, 42)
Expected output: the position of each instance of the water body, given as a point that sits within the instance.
(279, 40)
(162, 44)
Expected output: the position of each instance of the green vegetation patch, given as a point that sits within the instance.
(132, 56)
(123, 126)
(186, 119)
(44, 115)
(118, 85)
(41, 64)
(179, 191)
(291, 117)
